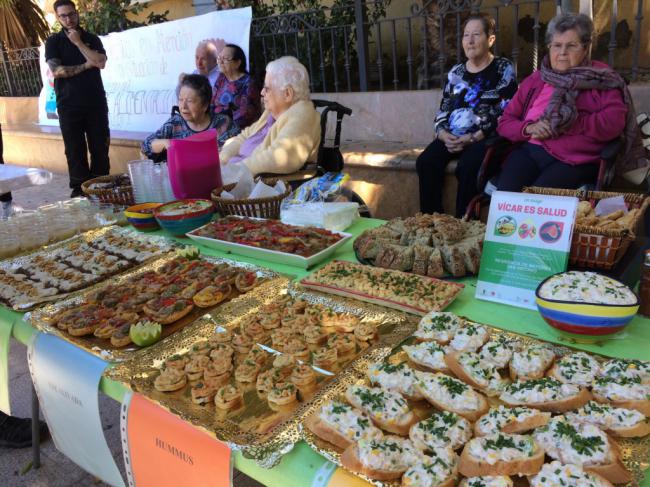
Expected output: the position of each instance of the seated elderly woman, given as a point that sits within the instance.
(564, 114)
(195, 116)
(287, 134)
(472, 101)
(234, 90)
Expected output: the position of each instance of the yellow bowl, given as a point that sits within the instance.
(141, 216)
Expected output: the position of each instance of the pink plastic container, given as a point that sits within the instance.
(193, 162)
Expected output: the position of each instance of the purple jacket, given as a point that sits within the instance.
(601, 118)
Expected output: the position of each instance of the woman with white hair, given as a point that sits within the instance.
(287, 134)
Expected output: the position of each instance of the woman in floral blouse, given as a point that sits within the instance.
(235, 92)
(474, 97)
(194, 116)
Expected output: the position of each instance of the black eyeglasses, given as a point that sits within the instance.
(71, 15)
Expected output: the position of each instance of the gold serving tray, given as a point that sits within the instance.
(17, 261)
(42, 317)
(635, 451)
(260, 432)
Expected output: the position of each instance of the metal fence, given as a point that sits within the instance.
(20, 74)
(344, 50)
(355, 47)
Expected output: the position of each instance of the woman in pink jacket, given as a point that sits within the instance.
(564, 114)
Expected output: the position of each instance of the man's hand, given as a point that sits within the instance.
(540, 130)
(74, 36)
(218, 43)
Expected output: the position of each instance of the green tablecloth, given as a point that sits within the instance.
(303, 466)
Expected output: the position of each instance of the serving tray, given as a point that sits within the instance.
(635, 452)
(257, 430)
(43, 318)
(268, 254)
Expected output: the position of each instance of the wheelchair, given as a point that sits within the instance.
(329, 157)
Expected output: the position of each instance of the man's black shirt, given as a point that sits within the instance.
(84, 89)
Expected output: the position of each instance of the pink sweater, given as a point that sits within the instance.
(601, 118)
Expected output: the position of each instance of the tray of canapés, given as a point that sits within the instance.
(257, 371)
(270, 240)
(144, 306)
(59, 269)
(387, 287)
(463, 402)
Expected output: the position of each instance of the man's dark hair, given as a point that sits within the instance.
(238, 55)
(489, 25)
(201, 85)
(61, 3)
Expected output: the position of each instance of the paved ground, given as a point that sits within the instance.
(56, 469)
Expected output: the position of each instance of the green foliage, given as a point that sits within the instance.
(103, 16)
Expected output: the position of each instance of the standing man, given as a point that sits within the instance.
(75, 58)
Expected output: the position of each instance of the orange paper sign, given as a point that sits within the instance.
(166, 451)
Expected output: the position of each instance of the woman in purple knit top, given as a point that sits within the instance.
(235, 92)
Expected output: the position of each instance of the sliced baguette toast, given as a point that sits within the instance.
(519, 420)
(399, 425)
(641, 405)
(435, 389)
(582, 397)
(401, 455)
(471, 466)
(314, 424)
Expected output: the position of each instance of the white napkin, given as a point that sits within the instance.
(240, 174)
(610, 205)
(262, 190)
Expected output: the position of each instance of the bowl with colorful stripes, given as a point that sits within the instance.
(585, 303)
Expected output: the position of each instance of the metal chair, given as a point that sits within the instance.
(491, 164)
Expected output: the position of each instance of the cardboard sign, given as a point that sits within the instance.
(527, 239)
(66, 380)
(5, 339)
(153, 437)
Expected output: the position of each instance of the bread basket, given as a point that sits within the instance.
(257, 208)
(118, 195)
(594, 247)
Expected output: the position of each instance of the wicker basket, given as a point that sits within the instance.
(259, 208)
(594, 247)
(122, 195)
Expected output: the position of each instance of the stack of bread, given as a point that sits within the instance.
(616, 220)
(429, 245)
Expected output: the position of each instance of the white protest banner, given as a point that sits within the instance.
(527, 239)
(143, 65)
(66, 379)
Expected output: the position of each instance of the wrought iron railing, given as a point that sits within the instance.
(415, 51)
(20, 74)
(351, 47)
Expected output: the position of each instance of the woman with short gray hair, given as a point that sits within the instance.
(564, 114)
(288, 133)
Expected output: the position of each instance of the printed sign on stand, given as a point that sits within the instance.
(151, 437)
(527, 239)
(66, 380)
(5, 339)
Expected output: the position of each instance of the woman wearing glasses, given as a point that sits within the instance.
(235, 92)
(564, 114)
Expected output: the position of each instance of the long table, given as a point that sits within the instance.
(302, 466)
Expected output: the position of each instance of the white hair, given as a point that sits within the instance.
(288, 71)
(209, 46)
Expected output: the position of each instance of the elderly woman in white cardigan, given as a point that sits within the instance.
(288, 132)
